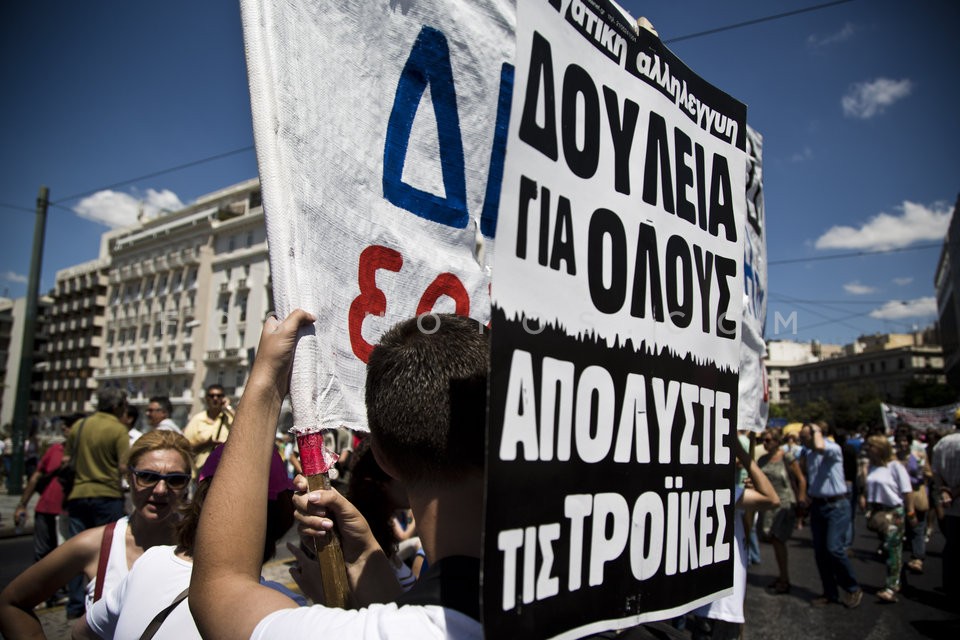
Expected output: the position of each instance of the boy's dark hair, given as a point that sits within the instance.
(369, 493)
(426, 398)
(279, 520)
(133, 413)
(164, 403)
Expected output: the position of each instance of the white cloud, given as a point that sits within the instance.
(116, 209)
(897, 309)
(915, 223)
(867, 99)
(846, 32)
(11, 276)
(858, 289)
(902, 281)
(802, 156)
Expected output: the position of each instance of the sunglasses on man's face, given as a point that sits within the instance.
(147, 479)
(214, 396)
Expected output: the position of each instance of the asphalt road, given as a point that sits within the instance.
(922, 612)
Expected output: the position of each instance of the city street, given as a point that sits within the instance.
(922, 612)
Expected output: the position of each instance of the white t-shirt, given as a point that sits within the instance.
(730, 608)
(155, 581)
(116, 564)
(886, 485)
(168, 425)
(387, 621)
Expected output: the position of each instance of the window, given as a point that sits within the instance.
(231, 243)
(242, 303)
(223, 341)
(243, 335)
(249, 239)
(240, 377)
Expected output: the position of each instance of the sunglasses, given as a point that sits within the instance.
(767, 440)
(147, 479)
(214, 396)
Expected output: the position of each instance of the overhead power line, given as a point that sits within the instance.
(161, 172)
(748, 23)
(17, 207)
(854, 254)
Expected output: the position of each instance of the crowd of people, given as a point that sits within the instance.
(169, 529)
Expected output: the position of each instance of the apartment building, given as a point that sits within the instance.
(947, 283)
(76, 332)
(12, 314)
(883, 364)
(181, 288)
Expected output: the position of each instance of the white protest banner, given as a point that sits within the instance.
(943, 417)
(380, 130)
(754, 402)
(618, 303)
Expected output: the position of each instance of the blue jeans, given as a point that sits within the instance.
(830, 526)
(87, 513)
(753, 545)
(950, 526)
(44, 534)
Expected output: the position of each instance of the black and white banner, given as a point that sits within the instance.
(618, 300)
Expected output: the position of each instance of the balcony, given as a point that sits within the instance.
(225, 356)
(183, 366)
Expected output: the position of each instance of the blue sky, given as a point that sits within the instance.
(856, 102)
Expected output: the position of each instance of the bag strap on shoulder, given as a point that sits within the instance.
(158, 619)
(105, 543)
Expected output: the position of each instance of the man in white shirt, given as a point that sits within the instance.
(426, 409)
(946, 472)
(158, 413)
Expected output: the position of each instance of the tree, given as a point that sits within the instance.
(926, 393)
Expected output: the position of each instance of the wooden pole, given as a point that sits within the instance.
(333, 572)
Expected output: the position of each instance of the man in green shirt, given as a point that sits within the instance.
(97, 445)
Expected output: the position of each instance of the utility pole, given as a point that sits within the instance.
(21, 408)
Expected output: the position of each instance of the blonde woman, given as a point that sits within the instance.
(888, 495)
(159, 465)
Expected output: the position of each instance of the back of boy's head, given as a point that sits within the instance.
(426, 398)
